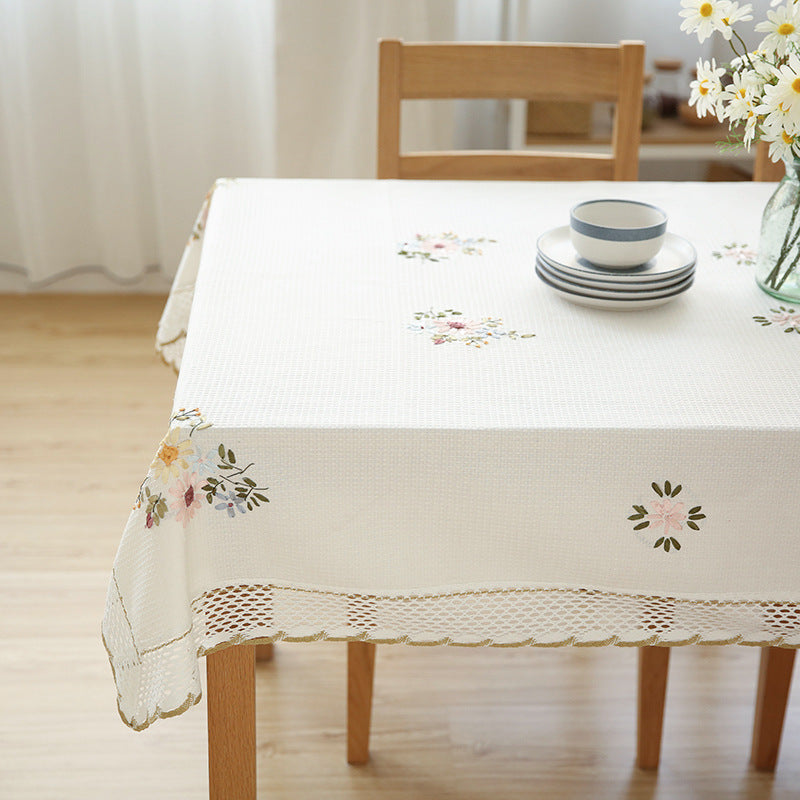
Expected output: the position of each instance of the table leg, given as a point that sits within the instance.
(653, 669)
(360, 675)
(264, 652)
(774, 680)
(231, 700)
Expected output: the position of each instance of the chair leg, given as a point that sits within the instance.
(360, 675)
(774, 680)
(231, 699)
(264, 652)
(653, 669)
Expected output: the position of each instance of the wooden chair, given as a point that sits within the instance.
(574, 72)
(765, 170)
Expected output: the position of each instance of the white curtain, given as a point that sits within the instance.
(116, 116)
(327, 87)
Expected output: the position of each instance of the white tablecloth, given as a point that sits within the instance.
(386, 427)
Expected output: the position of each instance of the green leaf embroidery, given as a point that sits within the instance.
(669, 514)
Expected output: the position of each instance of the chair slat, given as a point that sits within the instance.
(628, 119)
(505, 165)
(764, 169)
(389, 109)
(507, 70)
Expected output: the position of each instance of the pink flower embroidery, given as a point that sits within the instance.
(446, 325)
(438, 245)
(666, 514)
(187, 497)
(785, 317)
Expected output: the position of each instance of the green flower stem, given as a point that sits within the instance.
(776, 270)
(229, 477)
(788, 272)
(789, 241)
(744, 46)
(784, 249)
(239, 471)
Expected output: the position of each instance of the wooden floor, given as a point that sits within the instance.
(84, 402)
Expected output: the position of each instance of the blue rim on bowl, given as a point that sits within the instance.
(614, 233)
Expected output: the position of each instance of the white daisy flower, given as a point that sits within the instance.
(782, 147)
(738, 98)
(704, 16)
(776, 121)
(706, 91)
(781, 27)
(750, 128)
(733, 15)
(756, 60)
(744, 84)
(784, 96)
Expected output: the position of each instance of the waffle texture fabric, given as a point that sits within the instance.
(386, 427)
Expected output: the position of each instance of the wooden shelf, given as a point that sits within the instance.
(662, 131)
(663, 140)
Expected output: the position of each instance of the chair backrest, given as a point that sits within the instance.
(764, 169)
(574, 72)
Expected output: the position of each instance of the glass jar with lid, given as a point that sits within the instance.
(668, 86)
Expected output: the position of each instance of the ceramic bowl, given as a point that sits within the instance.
(617, 234)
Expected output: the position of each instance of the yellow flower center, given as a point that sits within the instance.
(702, 88)
(796, 85)
(706, 10)
(168, 453)
(727, 21)
(786, 138)
(785, 28)
(741, 92)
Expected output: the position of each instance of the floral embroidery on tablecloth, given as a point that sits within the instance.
(182, 472)
(439, 247)
(452, 326)
(741, 253)
(786, 318)
(663, 519)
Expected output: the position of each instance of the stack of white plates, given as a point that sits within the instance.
(658, 281)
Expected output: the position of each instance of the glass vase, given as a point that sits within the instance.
(778, 265)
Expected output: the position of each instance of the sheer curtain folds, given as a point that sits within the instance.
(116, 116)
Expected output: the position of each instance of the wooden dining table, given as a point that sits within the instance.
(388, 429)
